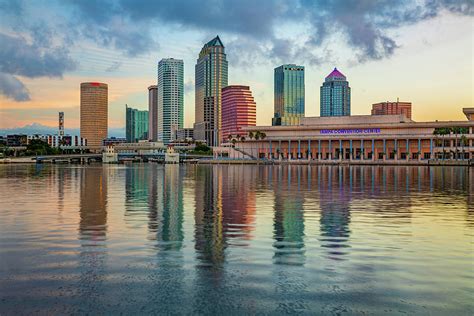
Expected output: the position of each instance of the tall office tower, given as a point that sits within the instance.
(136, 124)
(238, 110)
(94, 109)
(391, 108)
(289, 95)
(153, 113)
(211, 77)
(61, 124)
(335, 95)
(170, 98)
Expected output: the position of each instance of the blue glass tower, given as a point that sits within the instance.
(335, 95)
(289, 95)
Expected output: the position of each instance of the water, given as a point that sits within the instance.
(154, 239)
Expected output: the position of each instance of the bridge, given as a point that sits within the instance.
(94, 157)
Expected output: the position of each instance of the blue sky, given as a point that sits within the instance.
(420, 51)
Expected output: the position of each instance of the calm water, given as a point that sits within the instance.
(147, 238)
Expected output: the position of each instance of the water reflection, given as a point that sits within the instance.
(92, 233)
(288, 223)
(334, 201)
(150, 239)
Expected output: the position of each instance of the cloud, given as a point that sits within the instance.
(36, 37)
(114, 66)
(13, 88)
(18, 57)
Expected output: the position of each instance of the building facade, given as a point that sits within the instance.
(288, 95)
(61, 124)
(210, 77)
(58, 141)
(335, 95)
(392, 108)
(365, 138)
(238, 110)
(170, 98)
(94, 113)
(184, 134)
(153, 113)
(136, 125)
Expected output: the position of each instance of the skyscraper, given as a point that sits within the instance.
(136, 124)
(211, 77)
(238, 110)
(153, 113)
(335, 95)
(289, 95)
(170, 98)
(94, 111)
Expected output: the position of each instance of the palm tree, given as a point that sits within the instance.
(257, 138)
(251, 135)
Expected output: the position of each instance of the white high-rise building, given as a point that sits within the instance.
(170, 98)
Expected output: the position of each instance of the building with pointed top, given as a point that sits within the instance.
(210, 77)
(335, 95)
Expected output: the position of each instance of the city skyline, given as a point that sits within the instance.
(421, 46)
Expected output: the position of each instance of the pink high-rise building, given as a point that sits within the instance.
(238, 110)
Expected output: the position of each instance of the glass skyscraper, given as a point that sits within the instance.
(211, 77)
(335, 95)
(136, 124)
(170, 98)
(289, 95)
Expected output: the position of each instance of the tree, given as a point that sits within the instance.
(463, 142)
(251, 135)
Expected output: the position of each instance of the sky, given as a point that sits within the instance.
(418, 51)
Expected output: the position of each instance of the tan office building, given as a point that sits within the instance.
(94, 109)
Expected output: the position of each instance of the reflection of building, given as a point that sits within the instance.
(170, 232)
(93, 201)
(209, 238)
(170, 98)
(335, 95)
(238, 110)
(92, 232)
(136, 124)
(211, 77)
(335, 211)
(238, 200)
(392, 108)
(94, 109)
(288, 220)
(153, 113)
(289, 95)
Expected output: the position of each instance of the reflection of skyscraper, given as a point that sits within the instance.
(238, 201)
(92, 209)
(335, 213)
(209, 238)
(170, 232)
(288, 221)
(92, 233)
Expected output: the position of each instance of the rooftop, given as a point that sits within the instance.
(335, 74)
